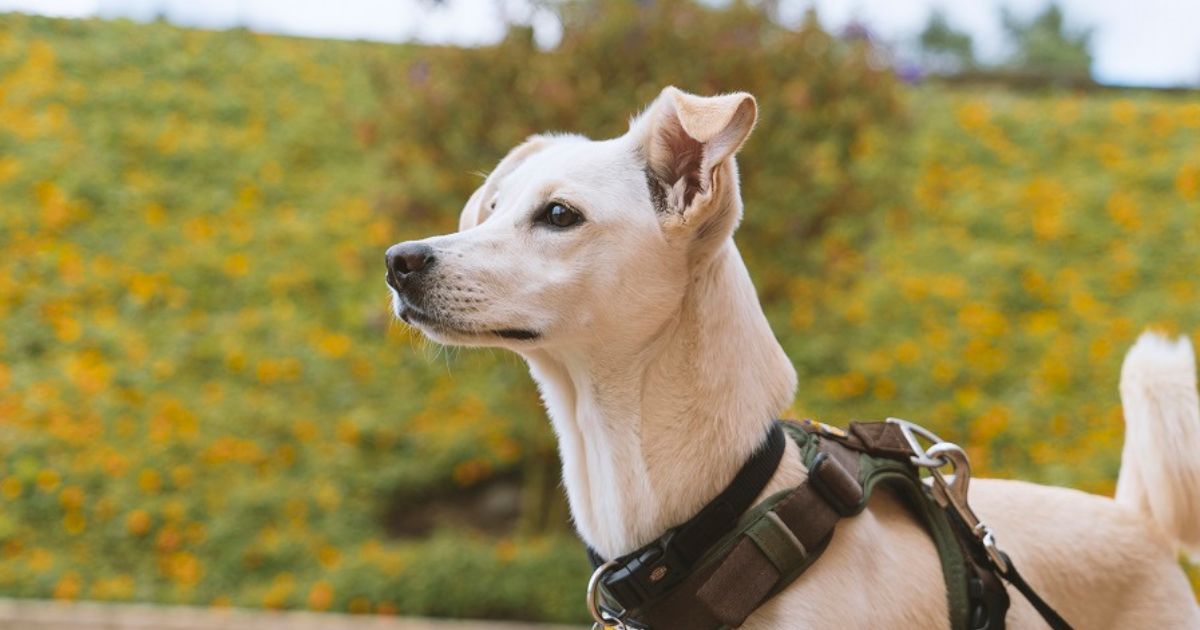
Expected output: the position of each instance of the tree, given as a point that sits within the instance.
(1043, 45)
(945, 50)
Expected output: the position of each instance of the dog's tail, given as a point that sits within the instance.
(1160, 465)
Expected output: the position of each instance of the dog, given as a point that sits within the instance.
(610, 267)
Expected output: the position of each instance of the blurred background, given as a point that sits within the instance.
(958, 213)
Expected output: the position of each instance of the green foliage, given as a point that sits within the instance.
(202, 396)
(203, 400)
(1043, 44)
(826, 108)
(1034, 239)
(946, 49)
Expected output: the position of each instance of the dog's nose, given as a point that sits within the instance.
(406, 258)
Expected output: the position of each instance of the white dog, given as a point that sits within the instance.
(610, 267)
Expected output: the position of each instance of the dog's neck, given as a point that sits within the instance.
(650, 432)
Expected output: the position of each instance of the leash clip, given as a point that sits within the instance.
(604, 618)
(950, 493)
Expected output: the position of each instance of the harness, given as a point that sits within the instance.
(713, 571)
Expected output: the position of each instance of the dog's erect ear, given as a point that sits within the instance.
(479, 206)
(686, 140)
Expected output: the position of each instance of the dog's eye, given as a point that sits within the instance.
(557, 215)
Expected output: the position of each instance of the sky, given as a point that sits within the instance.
(1135, 42)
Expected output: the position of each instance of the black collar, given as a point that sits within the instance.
(655, 568)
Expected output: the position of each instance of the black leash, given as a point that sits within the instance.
(996, 605)
(1051, 616)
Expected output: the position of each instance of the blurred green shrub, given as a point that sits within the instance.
(1036, 236)
(826, 104)
(202, 398)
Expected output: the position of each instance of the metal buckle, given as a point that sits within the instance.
(949, 493)
(604, 617)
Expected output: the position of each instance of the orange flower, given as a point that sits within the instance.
(138, 522)
(320, 597)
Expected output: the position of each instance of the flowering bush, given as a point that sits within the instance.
(203, 398)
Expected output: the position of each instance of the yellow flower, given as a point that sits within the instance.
(74, 522)
(305, 430)
(138, 522)
(154, 214)
(119, 587)
(174, 510)
(144, 286)
(329, 557)
(973, 116)
(992, 423)
(327, 496)
(333, 345)
(89, 371)
(1187, 182)
(506, 550)
(237, 265)
(944, 372)
(281, 587)
(71, 498)
(1046, 200)
(40, 560)
(885, 389)
(11, 488)
(68, 586)
(347, 431)
(67, 329)
(149, 480)
(185, 568)
(182, 475)
(9, 167)
(1123, 210)
(48, 479)
(1124, 112)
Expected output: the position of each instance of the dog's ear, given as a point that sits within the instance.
(689, 142)
(479, 206)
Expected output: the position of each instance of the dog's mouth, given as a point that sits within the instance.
(438, 326)
(519, 334)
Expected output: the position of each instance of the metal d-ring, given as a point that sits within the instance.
(603, 618)
(910, 431)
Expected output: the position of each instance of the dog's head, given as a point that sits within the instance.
(572, 241)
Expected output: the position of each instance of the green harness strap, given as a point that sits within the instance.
(777, 540)
(901, 478)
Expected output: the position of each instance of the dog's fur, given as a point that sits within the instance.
(661, 375)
